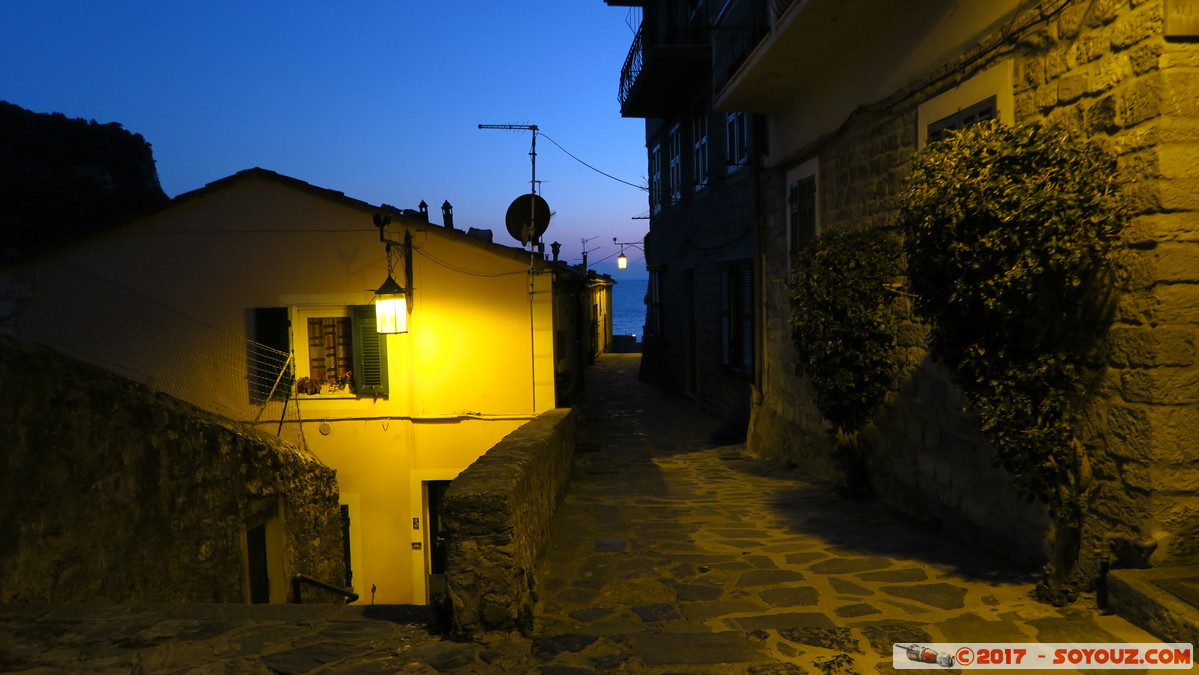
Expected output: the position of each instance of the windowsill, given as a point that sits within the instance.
(338, 396)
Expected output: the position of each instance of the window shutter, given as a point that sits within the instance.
(269, 354)
(725, 319)
(747, 316)
(370, 353)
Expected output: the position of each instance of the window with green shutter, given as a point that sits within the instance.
(370, 353)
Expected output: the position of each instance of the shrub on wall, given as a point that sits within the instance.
(1010, 234)
(844, 327)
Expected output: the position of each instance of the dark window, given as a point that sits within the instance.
(736, 315)
(270, 370)
(979, 112)
(802, 205)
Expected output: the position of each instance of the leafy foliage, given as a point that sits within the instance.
(844, 324)
(1010, 234)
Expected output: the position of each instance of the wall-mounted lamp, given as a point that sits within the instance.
(391, 299)
(622, 260)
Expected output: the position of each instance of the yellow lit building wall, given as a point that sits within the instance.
(476, 363)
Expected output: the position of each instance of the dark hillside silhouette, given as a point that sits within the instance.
(62, 177)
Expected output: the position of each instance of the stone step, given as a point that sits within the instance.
(1164, 601)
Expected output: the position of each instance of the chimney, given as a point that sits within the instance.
(447, 214)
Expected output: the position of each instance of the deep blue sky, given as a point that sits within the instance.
(379, 99)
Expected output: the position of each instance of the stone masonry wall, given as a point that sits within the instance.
(111, 493)
(497, 515)
(1105, 70)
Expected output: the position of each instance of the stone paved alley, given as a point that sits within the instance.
(672, 553)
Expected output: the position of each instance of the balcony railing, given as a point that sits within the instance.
(738, 29)
(632, 66)
(662, 65)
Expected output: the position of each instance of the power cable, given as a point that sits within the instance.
(608, 175)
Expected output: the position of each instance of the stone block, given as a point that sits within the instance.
(1140, 100)
(1180, 91)
(1147, 57)
(1178, 261)
(1139, 347)
(1174, 304)
(1164, 386)
(1071, 87)
(1172, 431)
(1129, 432)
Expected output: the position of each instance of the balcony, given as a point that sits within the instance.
(662, 72)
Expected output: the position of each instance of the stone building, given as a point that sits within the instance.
(700, 338)
(839, 134)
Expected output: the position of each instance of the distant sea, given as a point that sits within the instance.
(628, 307)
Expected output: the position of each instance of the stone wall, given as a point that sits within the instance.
(1105, 70)
(111, 493)
(496, 515)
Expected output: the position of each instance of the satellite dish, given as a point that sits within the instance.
(528, 217)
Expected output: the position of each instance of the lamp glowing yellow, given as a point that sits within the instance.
(391, 308)
(622, 261)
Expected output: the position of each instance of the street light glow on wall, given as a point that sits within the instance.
(391, 299)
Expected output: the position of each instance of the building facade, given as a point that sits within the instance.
(841, 136)
(253, 298)
(700, 338)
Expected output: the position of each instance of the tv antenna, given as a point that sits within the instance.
(532, 152)
(526, 231)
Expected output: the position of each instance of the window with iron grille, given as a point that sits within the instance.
(338, 351)
(656, 192)
(699, 150)
(978, 112)
(736, 141)
(676, 164)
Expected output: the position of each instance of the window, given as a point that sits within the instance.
(985, 95)
(676, 164)
(801, 203)
(969, 116)
(656, 192)
(271, 372)
(653, 304)
(337, 351)
(699, 150)
(736, 141)
(737, 314)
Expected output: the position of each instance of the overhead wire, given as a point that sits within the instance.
(608, 175)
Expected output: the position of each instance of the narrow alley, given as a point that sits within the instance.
(671, 553)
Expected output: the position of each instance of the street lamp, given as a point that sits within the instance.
(391, 299)
(622, 260)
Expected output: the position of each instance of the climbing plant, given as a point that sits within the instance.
(1011, 234)
(844, 325)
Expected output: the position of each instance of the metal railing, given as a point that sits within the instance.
(298, 581)
(101, 322)
(632, 66)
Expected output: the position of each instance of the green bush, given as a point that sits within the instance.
(1010, 234)
(844, 324)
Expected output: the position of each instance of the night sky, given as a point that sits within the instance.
(379, 99)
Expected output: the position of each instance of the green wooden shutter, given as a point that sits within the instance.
(370, 353)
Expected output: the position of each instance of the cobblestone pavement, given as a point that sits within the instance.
(672, 554)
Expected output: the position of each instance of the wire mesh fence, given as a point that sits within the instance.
(96, 320)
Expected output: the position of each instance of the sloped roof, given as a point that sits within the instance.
(398, 216)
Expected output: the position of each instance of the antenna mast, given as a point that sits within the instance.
(532, 152)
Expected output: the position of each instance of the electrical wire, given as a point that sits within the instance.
(463, 271)
(608, 175)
